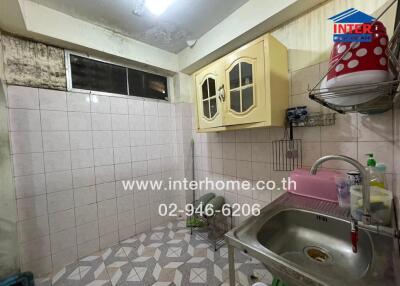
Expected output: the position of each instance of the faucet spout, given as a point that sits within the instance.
(366, 217)
(354, 235)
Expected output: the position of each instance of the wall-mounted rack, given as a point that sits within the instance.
(386, 94)
(383, 94)
(316, 119)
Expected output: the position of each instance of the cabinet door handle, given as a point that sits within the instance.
(221, 93)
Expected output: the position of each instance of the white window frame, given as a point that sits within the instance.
(68, 71)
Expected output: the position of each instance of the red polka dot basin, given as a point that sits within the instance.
(359, 63)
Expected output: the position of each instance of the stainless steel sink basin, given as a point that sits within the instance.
(319, 244)
(305, 241)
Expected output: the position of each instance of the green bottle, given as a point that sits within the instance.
(371, 161)
(376, 178)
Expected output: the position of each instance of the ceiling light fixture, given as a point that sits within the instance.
(157, 7)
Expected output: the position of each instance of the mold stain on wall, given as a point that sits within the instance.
(33, 64)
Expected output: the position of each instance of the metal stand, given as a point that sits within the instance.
(231, 258)
(214, 228)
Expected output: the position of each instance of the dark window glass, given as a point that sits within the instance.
(235, 100)
(213, 107)
(155, 86)
(95, 75)
(247, 97)
(98, 76)
(211, 86)
(206, 108)
(136, 82)
(204, 89)
(234, 77)
(247, 73)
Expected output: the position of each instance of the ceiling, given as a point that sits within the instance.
(183, 20)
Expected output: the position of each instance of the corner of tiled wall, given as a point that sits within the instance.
(246, 154)
(396, 175)
(70, 153)
(69, 150)
(9, 260)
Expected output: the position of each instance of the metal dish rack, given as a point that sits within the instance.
(214, 228)
(387, 92)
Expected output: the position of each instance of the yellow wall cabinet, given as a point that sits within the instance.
(248, 88)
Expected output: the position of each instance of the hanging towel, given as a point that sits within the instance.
(216, 204)
(278, 282)
(204, 199)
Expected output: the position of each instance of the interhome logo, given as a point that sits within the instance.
(352, 26)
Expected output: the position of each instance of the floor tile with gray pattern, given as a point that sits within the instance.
(168, 255)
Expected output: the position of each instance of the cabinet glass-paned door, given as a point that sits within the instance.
(245, 86)
(209, 108)
(241, 93)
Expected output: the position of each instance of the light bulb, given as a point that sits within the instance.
(157, 7)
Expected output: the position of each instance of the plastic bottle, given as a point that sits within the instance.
(371, 161)
(380, 182)
(376, 175)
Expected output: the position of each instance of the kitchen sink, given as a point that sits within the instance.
(305, 241)
(319, 244)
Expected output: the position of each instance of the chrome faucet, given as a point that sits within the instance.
(366, 216)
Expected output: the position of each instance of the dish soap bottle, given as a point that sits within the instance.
(380, 182)
(376, 175)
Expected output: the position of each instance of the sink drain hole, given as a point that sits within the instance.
(317, 254)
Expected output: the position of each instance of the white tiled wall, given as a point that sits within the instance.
(237, 155)
(246, 154)
(396, 158)
(70, 152)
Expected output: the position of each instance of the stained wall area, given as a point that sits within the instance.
(33, 64)
(8, 215)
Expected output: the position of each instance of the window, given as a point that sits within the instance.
(241, 87)
(94, 75)
(97, 76)
(147, 84)
(155, 86)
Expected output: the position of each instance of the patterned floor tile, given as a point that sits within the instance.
(68, 276)
(136, 275)
(198, 273)
(167, 255)
(119, 272)
(99, 283)
(130, 247)
(144, 270)
(43, 282)
(93, 271)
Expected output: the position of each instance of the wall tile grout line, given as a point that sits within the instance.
(72, 179)
(45, 182)
(94, 172)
